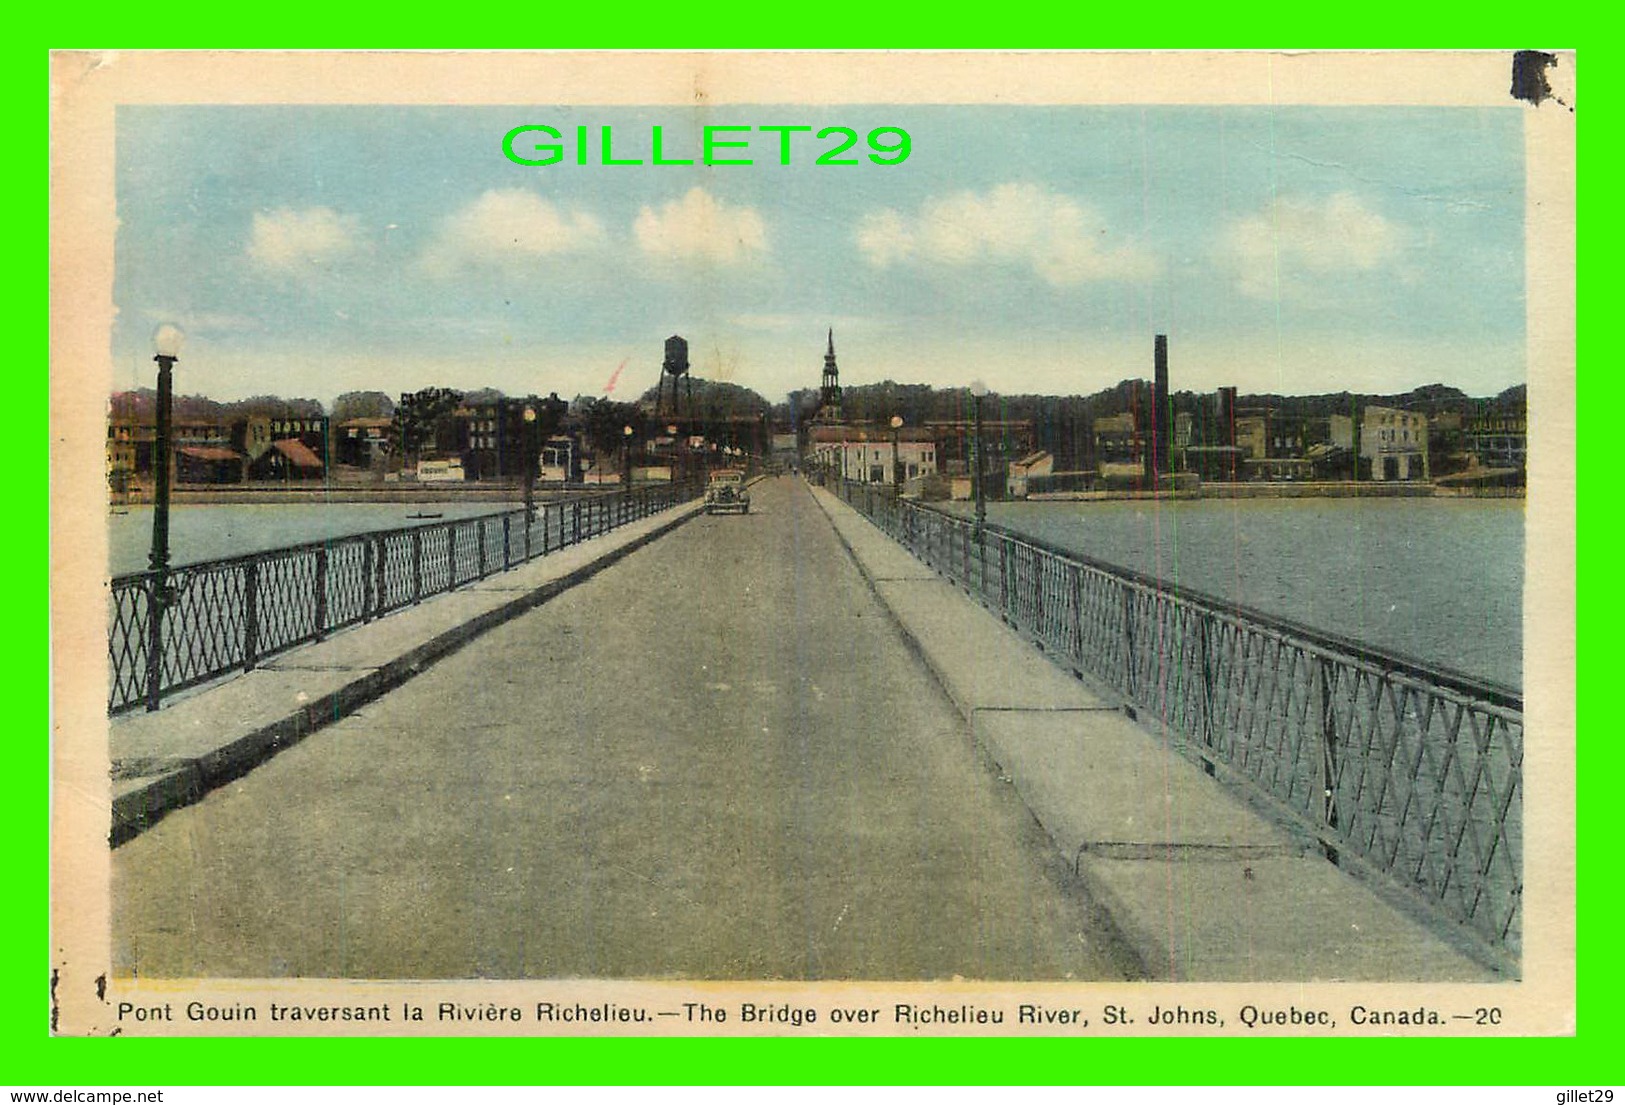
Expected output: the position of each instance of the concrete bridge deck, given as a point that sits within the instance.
(711, 755)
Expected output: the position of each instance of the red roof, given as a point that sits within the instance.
(298, 452)
(209, 452)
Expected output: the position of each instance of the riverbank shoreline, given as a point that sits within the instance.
(499, 493)
(512, 494)
(1271, 490)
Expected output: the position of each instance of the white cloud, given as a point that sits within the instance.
(698, 227)
(1294, 238)
(885, 238)
(204, 323)
(1062, 240)
(508, 227)
(302, 242)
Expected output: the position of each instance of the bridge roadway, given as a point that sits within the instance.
(714, 759)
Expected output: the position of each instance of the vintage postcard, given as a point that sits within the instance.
(813, 543)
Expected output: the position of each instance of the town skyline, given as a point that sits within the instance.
(315, 251)
(808, 395)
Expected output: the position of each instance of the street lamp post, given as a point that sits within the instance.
(626, 484)
(531, 459)
(896, 460)
(978, 391)
(166, 344)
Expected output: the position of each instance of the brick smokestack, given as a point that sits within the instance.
(1162, 415)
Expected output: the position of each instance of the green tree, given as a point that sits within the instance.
(417, 415)
(362, 404)
(604, 423)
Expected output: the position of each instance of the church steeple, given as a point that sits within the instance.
(829, 400)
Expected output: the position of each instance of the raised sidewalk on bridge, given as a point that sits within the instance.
(206, 737)
(1200, 884)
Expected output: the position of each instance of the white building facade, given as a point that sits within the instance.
(866, 456)
(1395, 442)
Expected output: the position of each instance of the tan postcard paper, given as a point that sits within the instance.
(1152, 494)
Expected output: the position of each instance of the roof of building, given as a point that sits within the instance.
(1032, 458)
(848, 432)
(209, 452)
(367, 423)
(987, 423)
(297, 452)
(1322, 449)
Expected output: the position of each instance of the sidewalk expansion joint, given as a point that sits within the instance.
(1172, 852)
(1101, 709)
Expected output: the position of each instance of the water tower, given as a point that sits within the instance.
(676, 367)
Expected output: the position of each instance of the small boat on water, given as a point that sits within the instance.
(425, 516)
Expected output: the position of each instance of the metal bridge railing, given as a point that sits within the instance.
(226, 615)
(1406, 769)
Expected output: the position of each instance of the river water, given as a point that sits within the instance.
(1439, 580)
(211, 531)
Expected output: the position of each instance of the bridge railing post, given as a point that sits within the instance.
(369, 579)
(1128, 640)
(251, 613)
(417, 566)
(1329, 751)
(1205, 643)
(1004, 580)
(1074, 589)
(320, 626)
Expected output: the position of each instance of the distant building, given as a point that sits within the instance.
(561, 460)
(1393, 444)
(287, 460)
(864, 455)
(207, 464)
(482, 441)
(829, 391)
(122, 434)
(489, 437)
(1003, 440)
(440, 471)
(1207, 438)
(251, 436)
(309, 432)
(274, 447)
(1117, 439)
(1499, 441)
(362, 442)
(1215, 463)
(1040, 463)
(202, 453)
(1252, 436)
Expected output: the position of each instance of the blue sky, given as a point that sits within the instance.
(315, 250)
